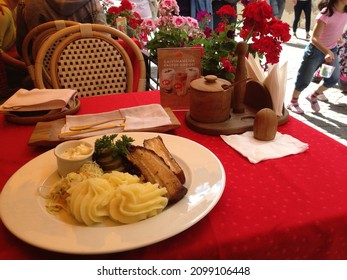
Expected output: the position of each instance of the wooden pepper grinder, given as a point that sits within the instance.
(240, 79)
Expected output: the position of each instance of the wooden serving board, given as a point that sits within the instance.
(46, 133)
(236, 124)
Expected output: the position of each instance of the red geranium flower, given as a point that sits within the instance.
(126, 5)
(227, 11)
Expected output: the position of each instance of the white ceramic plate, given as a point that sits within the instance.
(23, 209)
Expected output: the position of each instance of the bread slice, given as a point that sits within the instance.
(157, 145)
(155, 170)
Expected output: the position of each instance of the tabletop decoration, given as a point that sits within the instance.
(256, 25)
(274, 80)
(122, 17)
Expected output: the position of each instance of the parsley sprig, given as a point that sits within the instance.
(108, 144)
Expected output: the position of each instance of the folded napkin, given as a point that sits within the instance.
(145, 116)
(38, 99)
(275, 81)
(255, 150)
(136, 118)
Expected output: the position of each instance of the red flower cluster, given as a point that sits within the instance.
(266, 32)
(226, 11)
(263, 33)
(227, 65)
(125, 10)
(124, 6)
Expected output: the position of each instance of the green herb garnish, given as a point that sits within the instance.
(108, 144)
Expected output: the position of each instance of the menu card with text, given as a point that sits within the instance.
(177, 67)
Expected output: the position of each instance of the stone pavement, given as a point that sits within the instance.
(332, 118)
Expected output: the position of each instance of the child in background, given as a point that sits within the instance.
(330, 23)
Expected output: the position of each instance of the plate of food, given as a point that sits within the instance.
(26, 212)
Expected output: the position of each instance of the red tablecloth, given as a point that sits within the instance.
(289, 208)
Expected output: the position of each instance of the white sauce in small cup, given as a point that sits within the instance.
(77, 152)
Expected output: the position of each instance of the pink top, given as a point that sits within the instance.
(334, 27)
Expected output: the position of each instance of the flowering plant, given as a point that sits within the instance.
(169, 30)
(263, 33)
(126, 10)
(256, 26)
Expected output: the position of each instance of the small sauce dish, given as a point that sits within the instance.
(71, 155)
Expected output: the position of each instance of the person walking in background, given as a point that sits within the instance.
(342, 54)
(192, 7)
(200, 5)
(277, 7)
(32, 13)
(330, 23)
(299, 7)
(146, 8)
(184, 6)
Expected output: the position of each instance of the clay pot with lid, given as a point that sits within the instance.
(210, 99)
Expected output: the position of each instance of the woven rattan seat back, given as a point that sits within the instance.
(34, 40)
(91, 60)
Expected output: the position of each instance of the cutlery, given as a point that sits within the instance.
(72, 133)
(82, 127)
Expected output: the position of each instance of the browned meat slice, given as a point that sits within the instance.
(157, 145)
(155, 170)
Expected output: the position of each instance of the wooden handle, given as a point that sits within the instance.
(240, 79)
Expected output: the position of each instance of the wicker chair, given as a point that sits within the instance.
(93, 59)
(33, 41)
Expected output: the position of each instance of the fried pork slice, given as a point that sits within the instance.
(157, 145)
(155, 170)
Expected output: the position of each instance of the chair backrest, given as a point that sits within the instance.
(94, 60)
(33, 41)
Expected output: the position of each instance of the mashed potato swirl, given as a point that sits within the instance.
(88, 201)
(136, 202)
(92, 196)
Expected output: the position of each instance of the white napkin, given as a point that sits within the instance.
(136, 118)
(256, 150)
(38, 99)
(145, 116)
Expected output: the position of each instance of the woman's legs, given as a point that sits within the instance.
(307, 7)
(297, 13)
(277, 7)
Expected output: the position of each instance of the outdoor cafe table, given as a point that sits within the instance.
(289, 208)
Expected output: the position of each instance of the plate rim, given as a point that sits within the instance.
(78, 250)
